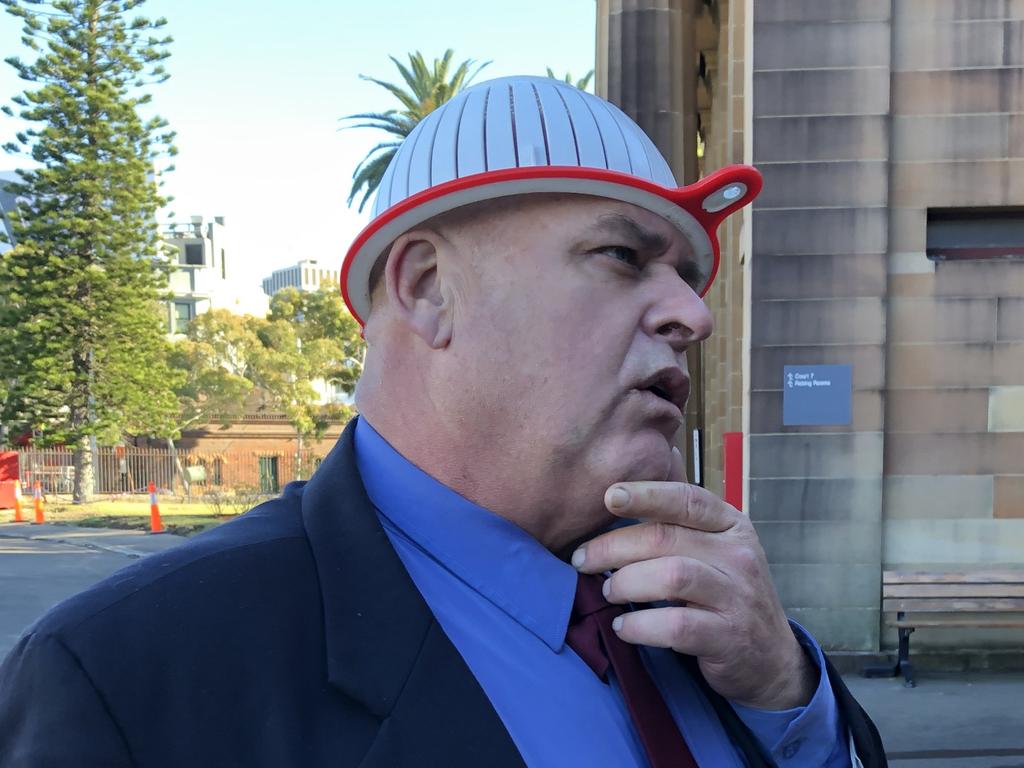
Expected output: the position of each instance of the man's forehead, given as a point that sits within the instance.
(644, 228)
(586, 213)
(588, 221)
(597, 207)
(570, 218)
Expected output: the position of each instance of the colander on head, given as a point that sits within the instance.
(522, 135)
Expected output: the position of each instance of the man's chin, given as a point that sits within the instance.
(647, 457)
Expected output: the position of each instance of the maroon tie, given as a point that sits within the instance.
(592, 637)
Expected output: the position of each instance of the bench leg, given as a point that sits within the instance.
(903, 661)
(902, 665)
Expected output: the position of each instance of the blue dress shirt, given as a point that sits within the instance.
(504, 602)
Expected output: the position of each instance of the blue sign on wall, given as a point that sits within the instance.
(816, 394)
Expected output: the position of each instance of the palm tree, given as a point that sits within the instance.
(582, 83)
(427, 90)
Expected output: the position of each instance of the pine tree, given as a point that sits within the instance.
(82, 345)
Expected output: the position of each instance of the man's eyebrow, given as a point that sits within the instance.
(618, 224)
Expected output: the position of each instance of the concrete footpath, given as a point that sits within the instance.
(955, 720)
(40, 565)
(950, 720)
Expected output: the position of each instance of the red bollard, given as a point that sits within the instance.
(155, 524)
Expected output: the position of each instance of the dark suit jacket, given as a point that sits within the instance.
(292, 636)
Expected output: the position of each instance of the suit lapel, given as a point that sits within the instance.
(384, 648)
(442, 718)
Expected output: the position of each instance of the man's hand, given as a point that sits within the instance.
(702, 555)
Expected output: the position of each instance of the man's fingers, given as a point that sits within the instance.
(689, 630)
(644, 541)
(677, 503)
(668, 578)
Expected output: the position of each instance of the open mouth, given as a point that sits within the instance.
(669, 384)
(662, 393)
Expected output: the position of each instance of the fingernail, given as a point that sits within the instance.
(618, 497)
(617, 623)
(579, 557)
(606, 588)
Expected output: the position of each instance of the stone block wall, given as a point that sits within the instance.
(722, 128)
(954, 412)
(818, 295)
(862, 115)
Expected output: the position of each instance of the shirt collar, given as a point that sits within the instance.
(491, 555)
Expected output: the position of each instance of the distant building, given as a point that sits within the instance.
(204, 274)
(307, 275)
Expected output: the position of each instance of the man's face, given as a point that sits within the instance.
(570, 336)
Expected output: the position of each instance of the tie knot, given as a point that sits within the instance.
(591, 636)
(589, 596)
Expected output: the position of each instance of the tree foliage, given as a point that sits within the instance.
(582, 83)
(81, 330)
(308, 340)
(213, 364)
(330, 337)
(426, 88)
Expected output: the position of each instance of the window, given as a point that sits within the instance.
(184, 311)
(974, 234)
(192, 255)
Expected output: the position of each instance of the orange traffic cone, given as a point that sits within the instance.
(19, 515)
(155, 524)
(37, 502)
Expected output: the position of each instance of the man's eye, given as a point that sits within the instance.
(692, 276)
(622, 253)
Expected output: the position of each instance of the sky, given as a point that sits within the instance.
(257, 90)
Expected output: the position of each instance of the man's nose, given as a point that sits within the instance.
(678, 316)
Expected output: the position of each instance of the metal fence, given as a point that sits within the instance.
(126, 470)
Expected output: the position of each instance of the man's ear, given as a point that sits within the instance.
(416, 289)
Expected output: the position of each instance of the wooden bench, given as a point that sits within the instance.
(947, 599)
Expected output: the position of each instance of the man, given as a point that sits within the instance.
(529, 288)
